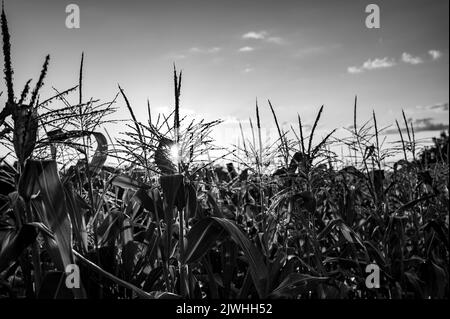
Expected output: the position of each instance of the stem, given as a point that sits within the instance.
(183, 287)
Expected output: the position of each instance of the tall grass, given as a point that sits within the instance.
(170, 221)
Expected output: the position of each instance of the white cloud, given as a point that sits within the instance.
(378, 63)
(176, 56)
(309, 51)
(263, 36)
(205, 50)
(246, 49)
(230, 120)
(193, 51)
(354, 70)
(276, 40)
(214, 50)
(255, 35)
(248, 70)
(408, 58)
(390, 62)
(372, 65)
(435, 54)
(314, 50)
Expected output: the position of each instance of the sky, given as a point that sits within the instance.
(298, 54)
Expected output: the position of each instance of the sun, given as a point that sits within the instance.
(175, 153)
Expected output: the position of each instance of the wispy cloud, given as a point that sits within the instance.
(255, 35)
(438, 107)
(422, 109)
(214, 50)
(248, 70)
(193, 51)
(309, 50)
(263, 36)
(372, 65)
(313, 50)
(211, 50)
(354, 70)
(422, 125)
(427, 124)
(435, 54)
(379, 63)
(276, 40)
(246, 49)
(176, 56)
(387, 62)
(230, 120)
(410, 59)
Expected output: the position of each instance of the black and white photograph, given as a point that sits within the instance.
(224, 158)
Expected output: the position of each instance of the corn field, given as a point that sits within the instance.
(170, 222)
